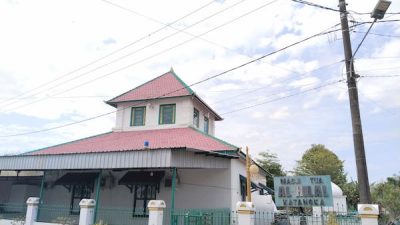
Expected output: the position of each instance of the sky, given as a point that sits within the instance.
(60, 60)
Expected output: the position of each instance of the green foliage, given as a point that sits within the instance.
(353, 197)
(387, 195)
(332, 220)
(269, 162)
(318, 160)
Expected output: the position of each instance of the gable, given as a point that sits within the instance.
(165, 86)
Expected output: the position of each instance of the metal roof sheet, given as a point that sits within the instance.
(134, 140)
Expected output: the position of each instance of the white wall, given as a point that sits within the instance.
(184, 114)
(261, 202)
(204, 112)
(203, 188)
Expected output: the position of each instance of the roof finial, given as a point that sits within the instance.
(171, 70)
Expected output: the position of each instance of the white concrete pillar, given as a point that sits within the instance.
(86, 215)
(156, 212)
(32, 210)
(368, 213)
(245, 213)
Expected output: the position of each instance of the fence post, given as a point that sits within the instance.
(86, 215)
(32, 210)
(368, 213)
(156, 212)
(245, 212)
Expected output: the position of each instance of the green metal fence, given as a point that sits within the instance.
(197, 217)
(57, 214)
(122, 216)
(268, 218)
(12, 211)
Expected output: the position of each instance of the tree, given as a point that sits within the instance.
(318, 160)
(352, 194)
(269, 162)
(387, 195)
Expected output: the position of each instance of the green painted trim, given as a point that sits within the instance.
(173, 187)
(182, 82)
(215, 138)
(132, 123)
(98, 181)
(160, 122)
(149, 99)
(41, 149)
(41, 194)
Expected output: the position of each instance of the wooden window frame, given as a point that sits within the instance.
(196, 123)
(133, 109)
(160, 118)
(206, 121)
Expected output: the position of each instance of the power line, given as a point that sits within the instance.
(281, 98)
(152, 56)
(260, 88)
(381, 76)
(376, 34)
(201, 81)
(115, 51)
(182, 43)
(315, 5)
(200, 38)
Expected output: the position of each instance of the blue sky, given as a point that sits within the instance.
(52, 42)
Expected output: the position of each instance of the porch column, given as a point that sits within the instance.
(32, 210)
(86, 214)
(156, 212)
(173, 187)
(368, 213)
(245, 213)
(98, 180)
(41, 193)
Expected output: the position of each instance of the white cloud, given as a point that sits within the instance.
(281, 113)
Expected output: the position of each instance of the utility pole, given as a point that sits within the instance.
(362, 173)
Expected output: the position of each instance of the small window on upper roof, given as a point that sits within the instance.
(138, 116)
(196, 117)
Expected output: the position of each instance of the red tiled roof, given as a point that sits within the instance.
(166, 85)
(134, 140)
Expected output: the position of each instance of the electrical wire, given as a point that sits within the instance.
(284, 81)
(281, 98)
(147, 58)
(381, 35)
(201, 81)
(115, 51)
(138, 50)
(315, 5)
(380, 76)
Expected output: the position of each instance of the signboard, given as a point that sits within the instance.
(303, 191)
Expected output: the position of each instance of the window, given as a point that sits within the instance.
(206, 125)
(143, 193)
(79, 192)
(138, 116)
(167, 114)
(196, 116)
